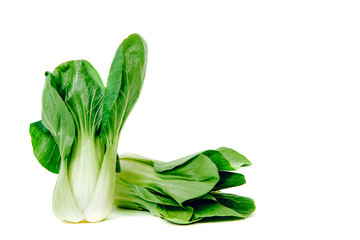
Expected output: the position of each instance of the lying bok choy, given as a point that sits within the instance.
(78, 138)
(186, 190)
(80, 128)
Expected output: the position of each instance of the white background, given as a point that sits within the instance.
(276, 80)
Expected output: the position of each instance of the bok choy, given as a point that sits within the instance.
(78, 138)
(81, 122)
(186, 190)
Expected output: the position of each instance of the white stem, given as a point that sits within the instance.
(102, 200)
(63, 202)
(84, 170)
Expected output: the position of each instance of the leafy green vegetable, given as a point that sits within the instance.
(78, 138)
(185, 190)
(81, 125)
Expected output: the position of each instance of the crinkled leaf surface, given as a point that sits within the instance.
(82, 89)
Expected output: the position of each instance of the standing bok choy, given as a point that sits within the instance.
(81, 123)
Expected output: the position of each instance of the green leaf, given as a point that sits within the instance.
(123, 87)
(207, 196)
(149, 196)
(161, 166)
(44, 146)
(226, 206)
(213, 209)
(227, 159)
(56, 118)
(229, 179)
(244, 206)
(82, 89)
(178, 215)
(186, 181)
